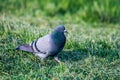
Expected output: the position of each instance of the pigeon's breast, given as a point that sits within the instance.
(56, 47)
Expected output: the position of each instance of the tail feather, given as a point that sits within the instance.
(24, 47)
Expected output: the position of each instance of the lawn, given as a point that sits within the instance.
(92, 51)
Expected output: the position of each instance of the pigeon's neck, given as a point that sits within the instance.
(58, 37)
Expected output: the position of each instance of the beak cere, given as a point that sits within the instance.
(65, 31)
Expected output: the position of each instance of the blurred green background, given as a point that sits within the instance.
(106, 11)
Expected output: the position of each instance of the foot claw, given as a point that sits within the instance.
(56, 58)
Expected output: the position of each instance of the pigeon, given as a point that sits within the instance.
(48, 45)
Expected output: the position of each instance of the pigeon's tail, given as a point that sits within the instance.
(24, 47)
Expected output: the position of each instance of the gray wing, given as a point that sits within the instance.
(43, 44)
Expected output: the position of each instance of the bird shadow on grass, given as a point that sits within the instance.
(81, 54)
(73, 55)
(84, 50)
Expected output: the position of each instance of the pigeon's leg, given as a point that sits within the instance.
(56, 58)
(41, 55)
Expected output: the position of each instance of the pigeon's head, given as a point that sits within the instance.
(58, 35)
(61, 29)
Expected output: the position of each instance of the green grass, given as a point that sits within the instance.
(92, 51)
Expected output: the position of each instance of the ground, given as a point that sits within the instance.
(92, 51)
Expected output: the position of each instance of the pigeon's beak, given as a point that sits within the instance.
(65, 31)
